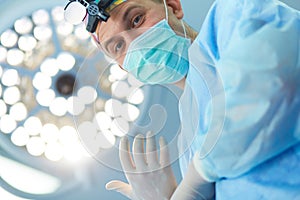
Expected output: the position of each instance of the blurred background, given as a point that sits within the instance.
(64, 107)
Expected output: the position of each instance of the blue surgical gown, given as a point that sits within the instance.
(240, 109)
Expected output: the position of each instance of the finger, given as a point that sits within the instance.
(164, 153)
(125, 157)
(119, 186)
(138, 152)
(151, 152)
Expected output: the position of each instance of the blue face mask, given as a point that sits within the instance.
(158, 55)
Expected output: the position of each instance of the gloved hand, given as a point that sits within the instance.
(148, 177)
(194, 187)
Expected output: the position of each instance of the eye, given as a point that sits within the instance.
(118, 46)
(136, 21)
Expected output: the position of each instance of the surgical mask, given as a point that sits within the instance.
(158, 56)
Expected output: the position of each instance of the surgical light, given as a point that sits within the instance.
(42, 91)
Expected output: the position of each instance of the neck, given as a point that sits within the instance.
(180, 84)
(191, 33)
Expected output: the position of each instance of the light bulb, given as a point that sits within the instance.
(15, 57)
(9, 38)
(102, 120)
(36, 146)
(75, 105)
(58, 106)
(135, 96)
(66, 61)
(87, 94)
(18, 111)
(33, 125)
(41, 81)
(7, 124)
(106, 139)
(20, 137)
(45, 97)
(42, 33)
(11, 95)
(113, 107)
(40, 17)
(130, 112)
(119, 127)
(54, 151)
(49, 67)
(10, 77)
(49, 133)
(23, 25)
(27, 43)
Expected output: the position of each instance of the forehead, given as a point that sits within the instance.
(115, 23)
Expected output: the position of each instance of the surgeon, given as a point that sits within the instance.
(240, 119)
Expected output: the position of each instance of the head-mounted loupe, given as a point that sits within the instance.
(95, 10)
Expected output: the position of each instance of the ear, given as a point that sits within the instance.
(176, 7)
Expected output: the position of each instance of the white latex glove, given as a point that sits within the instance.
(194, 187)
(148, 177)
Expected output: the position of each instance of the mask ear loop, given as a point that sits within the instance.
(166, 11)
(183, 26)
(167, 18)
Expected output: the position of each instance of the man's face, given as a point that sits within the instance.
(128, 21)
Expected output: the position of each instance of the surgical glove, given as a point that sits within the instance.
(149, 177)
(194, 187)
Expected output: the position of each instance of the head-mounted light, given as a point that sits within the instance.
(95, 11)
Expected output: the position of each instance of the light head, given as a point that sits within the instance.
(95, 11)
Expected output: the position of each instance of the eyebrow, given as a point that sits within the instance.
(129, 8)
